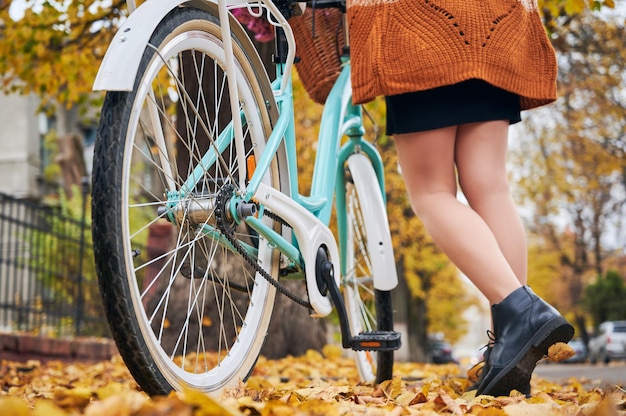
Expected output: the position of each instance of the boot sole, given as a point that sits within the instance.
(516, 375)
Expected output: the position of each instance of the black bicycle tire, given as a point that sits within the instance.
(110, 264)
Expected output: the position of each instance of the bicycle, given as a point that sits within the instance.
(232, 221)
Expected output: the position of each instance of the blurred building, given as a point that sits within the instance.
(20, 141)
(23, 156)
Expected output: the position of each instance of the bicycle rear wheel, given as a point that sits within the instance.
(368, 309)
(184, 307)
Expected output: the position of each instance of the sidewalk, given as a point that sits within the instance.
(23, 347)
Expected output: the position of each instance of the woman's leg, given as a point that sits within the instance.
(427, 160)
(480, 155)
(524, 325)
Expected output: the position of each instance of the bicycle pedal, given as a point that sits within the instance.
(376, 341)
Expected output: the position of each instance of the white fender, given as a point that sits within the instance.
(379, 239)
(125, 51)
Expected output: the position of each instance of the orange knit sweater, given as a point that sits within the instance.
(400, 46)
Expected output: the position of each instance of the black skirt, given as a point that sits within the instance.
(466, 102)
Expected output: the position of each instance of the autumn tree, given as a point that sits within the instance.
(571, 164)
(53, 49)
(604, 298)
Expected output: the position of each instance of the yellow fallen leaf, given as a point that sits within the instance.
(456, 386)
(474, 372)
(13, 406)
(491, 411)
(46, 408)
(110, 389)
(390, 388)
(277, 408)
(560, 352)
(590, 397)
(369, 399)
(606, 407)
(206, 405)
(247, 405)
(122, 404)
(537, 409)
(332, 351)
(447, 403)
(76, 397)
(406, 398)
(319, 407)
(419, 398)
(314, 356)
(323, 393)
(165, 406)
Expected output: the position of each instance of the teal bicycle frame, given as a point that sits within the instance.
(339, 118)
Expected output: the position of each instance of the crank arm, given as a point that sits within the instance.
(364, 341)
(311, 234)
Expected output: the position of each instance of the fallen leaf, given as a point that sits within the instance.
(205, 405)
(606, 407)
(559, 352)
(315, 383)
(73, 397)
(123, 404)
(419, 398)
(474, 372)
(491, 411)
(332, 351)
(165, 406)
(46, 408)
(13, 406)
(447, 403)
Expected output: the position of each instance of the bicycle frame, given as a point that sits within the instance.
(310, 215)
(340, 118)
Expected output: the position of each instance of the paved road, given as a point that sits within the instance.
(590, 375)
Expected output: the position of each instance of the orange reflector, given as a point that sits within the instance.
(251, 165)
(372, 344)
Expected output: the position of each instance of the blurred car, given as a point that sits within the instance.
(440, 352)
(580, 350)
(609, 343)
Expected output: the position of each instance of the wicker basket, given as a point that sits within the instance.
(318, 46)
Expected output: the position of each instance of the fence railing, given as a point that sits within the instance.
(47, 275)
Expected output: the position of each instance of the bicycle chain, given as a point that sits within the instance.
(220, 215)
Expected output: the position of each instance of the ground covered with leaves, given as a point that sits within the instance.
(317, 383)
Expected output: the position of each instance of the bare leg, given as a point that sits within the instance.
(481, 164)
(427, 160)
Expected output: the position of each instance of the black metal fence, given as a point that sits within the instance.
(48, 283)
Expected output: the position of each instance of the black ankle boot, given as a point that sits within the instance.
(525, 326)
(482, 372)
